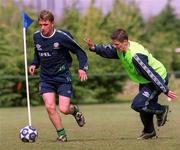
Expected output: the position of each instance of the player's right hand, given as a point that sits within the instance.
(32, 69)
(90, 43)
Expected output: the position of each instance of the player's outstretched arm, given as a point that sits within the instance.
(104, 50)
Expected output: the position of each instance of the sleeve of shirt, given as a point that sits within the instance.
(140, 62)
(36, 56)
(106, 51)
(71, 45)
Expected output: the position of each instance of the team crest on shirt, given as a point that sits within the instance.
(38, 46)
(56, 45)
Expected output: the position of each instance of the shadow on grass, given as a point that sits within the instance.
(99, 139)
(117, 139)
(107, 139)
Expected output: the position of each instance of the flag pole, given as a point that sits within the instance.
(26, 75)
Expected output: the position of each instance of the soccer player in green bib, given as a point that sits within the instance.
(144, 69)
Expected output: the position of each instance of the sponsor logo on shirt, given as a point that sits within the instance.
(44, 54)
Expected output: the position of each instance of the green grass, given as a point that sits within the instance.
(108, 127)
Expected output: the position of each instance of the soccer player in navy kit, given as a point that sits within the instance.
(52, 55)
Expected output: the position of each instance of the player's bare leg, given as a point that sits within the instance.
(50, 103)
(67, 108)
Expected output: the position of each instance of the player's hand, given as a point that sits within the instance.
(82, 75)
(32, 69)
(171, 95)
(90, 43)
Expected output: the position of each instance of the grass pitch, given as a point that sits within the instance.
(108, 127)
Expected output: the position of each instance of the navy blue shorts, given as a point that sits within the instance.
(147, 98)
(64, 89)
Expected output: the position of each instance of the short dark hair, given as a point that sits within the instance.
(120, 35)
(46, 15)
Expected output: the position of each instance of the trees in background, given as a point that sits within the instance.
(163, 38)
(12, 80)
(106, 77)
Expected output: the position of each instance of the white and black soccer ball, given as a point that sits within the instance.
(28, 134)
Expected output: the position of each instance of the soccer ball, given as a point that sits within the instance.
(28, 134)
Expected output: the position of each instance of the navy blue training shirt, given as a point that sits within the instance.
(52, 54)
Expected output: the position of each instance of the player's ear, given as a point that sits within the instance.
(53, 23)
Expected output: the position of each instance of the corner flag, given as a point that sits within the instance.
(26, 20)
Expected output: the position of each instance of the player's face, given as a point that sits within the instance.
(46, 27)
(120, 46)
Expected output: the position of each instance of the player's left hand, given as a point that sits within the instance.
(82, 75)
(172, 95)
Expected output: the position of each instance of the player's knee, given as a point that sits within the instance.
(135, 107)
(64, 110)
(51, 109)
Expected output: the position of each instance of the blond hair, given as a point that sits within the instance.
(46, 15)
